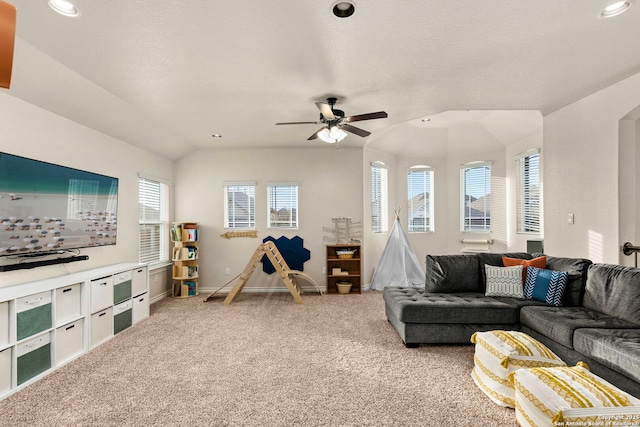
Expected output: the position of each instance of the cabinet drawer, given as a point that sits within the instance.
(68, 303)
(101, 293)
(101, 326)
(4, 323)
(69, 341)
(140, 307)
(139, 281)
(34, 357)
(121, 290)
(122, 316)
(5, 370)
(34, 314)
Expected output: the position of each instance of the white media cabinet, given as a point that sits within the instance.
(47, 323)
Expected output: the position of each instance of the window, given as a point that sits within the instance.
(378, 197)
(240, 205)
(282, 201)
(420, 190)
(153, 207)
(476, 200)
(528, 196)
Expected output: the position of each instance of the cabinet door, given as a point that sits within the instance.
(4, 323)
(101, 326)
(5, 370)
(139, 281)
(69, 341)
(121, 287)
(34, 357)
(122, 316)
(34, 314)
(67, 303)
(101, 293)
(140, 307)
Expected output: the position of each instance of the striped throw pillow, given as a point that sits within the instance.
(504, 281)
(545, 285)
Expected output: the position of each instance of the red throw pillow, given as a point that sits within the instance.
(540, 262)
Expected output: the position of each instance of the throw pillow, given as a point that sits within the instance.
(539, 262)
(545, 285)
(504, 281)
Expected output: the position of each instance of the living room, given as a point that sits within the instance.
(588, 140)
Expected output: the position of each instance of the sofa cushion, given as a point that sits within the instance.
(539, 262)
(504, 281)
(496, 260)
(613, 289)
(452, 273)
(545, 285)
(617, 349)
(410, 305)
(577, 270)
(560, 323)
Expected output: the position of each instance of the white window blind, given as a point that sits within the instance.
(420, 190)
(153, 207)
(379, 197)
(282, 201)
(528, 193)
(240, 205)
(476, 197)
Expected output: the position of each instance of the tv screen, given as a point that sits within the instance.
(47, 208)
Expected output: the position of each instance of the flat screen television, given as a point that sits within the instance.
(47, 208)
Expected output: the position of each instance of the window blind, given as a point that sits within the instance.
(153, 208)
(240, 205)
(282, 201)
(476, 197)
(419, 190)
(379, 197)
(528, 193)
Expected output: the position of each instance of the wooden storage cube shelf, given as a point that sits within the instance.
(34, 314)
(350, 266)
(34, 357)
(69, 341)
(68, 303)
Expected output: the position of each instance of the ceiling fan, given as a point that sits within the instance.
(336, 123)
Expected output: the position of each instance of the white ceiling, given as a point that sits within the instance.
(166, 75)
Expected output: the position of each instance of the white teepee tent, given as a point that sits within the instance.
(398, 264)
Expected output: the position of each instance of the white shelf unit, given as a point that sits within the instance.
(47, 323)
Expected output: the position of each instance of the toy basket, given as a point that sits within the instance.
(344, 287)
(345, 254)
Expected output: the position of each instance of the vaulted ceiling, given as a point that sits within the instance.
(166, 75)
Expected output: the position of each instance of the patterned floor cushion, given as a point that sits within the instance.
(498, 353)
(571, 396)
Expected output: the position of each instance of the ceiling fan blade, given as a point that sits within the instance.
(315, 134)
(326, 110)
(368, 116)
(299, 123)
(360, 132)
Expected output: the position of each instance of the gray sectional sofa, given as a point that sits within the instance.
(598, 321)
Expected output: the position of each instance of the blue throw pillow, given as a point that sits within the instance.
(545, 285)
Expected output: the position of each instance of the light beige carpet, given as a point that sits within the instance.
(261, 361)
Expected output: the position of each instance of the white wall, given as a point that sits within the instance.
(32, 132)
(330, 185)
(581, 167)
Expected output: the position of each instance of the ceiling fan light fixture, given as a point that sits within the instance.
(332, 136)
(616, 8)
(343, 9)
(64, 7)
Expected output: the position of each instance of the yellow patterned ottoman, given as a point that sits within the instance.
(498, 353)
(571, 396)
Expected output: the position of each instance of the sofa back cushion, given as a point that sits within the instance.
(614, 290)
(452, 273)
(577, 280)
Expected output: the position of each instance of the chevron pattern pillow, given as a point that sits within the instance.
(504, 281)
(545, 285)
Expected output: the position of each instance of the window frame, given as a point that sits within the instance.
(158, 252)
(427, 201)
(293, 210)
(465, 222)
(528, 206)
(379, 197)
(249, 189)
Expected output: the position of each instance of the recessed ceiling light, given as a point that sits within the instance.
(615, 9)
(64, 7)
(343, 9)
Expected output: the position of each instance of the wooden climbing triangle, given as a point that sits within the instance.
(289, 277)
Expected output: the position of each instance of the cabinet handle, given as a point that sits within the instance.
(141, 299)
(34, 301)
(140, 271)
(101, 314)
(104, 284)
(67, 290)
(33, 344)
(70, 327)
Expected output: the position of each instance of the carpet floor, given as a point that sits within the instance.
(261, 361)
